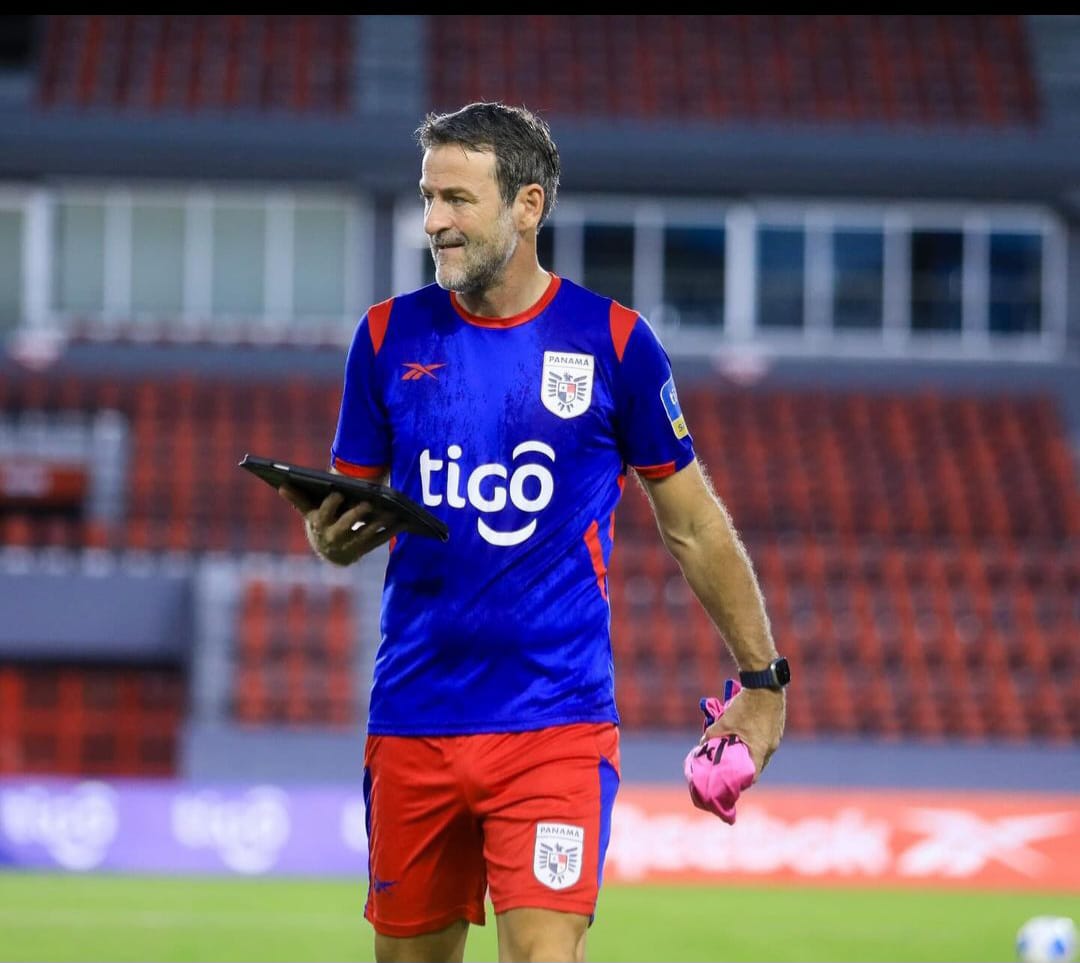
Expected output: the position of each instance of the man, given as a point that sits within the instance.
(510, 402)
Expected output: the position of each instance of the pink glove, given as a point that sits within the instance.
(718, 770)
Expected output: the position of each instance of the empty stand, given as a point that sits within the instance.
(297, 63)
(920, 465)
(294, 655)
(901, 539)
(184, 492)
(879, 637)
(927, 70)
(90, 720)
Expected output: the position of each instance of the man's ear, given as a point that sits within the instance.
(529, 206)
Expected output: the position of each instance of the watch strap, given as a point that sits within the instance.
(762, 679)
(776, 676)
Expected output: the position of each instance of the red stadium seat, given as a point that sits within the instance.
(295, 655)
(900, 533)
(957, 71)
(300, 63)
(89, 720)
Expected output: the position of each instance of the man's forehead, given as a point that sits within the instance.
(455, 162)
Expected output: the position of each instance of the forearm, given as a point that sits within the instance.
(719, 571)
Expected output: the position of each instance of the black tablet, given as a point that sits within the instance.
(318, 484)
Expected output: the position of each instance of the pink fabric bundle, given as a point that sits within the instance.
(718, 770)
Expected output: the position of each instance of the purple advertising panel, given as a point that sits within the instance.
(827, 836)
(173, 827)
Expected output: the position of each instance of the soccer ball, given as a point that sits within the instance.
(1046, 939)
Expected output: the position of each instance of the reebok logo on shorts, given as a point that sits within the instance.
(558, 854)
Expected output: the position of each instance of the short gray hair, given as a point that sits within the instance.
(521, 141)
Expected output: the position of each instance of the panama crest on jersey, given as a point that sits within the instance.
(566, 383)
(558, 854)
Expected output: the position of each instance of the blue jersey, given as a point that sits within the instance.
(517, 432)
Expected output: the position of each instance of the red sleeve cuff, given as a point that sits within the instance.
(654, 472)
(367, 472)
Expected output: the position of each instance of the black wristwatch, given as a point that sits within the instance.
(776, 676)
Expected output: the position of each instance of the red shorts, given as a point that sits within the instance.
(524, 815)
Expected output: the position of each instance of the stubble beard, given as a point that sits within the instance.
(484, 262)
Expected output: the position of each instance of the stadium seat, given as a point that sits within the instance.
(295, 655)
(297, 63)
(929, 71)
(90, 719)
(901, 533)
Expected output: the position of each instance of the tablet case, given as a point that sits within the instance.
(318, 484)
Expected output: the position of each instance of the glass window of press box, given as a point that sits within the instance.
(244, 261)
(945, 280)
(789, 276)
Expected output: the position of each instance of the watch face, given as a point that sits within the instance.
(782, 670)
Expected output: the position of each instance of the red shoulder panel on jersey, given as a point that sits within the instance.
(378, 317)
(654, 472)
(622, 323)
(367, 472)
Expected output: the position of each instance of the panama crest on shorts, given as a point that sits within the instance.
(558, 854)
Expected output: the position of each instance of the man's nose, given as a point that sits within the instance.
(437, 218)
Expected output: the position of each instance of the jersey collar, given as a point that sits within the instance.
(513, 321)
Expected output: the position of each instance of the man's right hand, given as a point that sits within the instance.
(341, 537)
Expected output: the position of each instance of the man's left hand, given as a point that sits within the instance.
(757, 717)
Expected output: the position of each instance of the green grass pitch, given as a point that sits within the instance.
(84, 918)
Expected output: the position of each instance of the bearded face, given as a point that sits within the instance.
(469, 225)
(472, 262)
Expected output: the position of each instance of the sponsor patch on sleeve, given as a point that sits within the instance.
(670, 399)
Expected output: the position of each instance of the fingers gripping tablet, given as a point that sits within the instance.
(318, 484)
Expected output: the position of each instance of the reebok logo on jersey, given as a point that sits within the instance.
(417, 371)
(566, 383)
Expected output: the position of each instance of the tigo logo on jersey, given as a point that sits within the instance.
(558, 854)
(529, 488)
(566, 383)
(671, 406)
